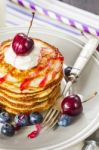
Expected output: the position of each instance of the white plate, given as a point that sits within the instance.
(83, 125)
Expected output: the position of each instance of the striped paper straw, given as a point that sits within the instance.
(58, 17)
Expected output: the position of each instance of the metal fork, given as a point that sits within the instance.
(53, 113)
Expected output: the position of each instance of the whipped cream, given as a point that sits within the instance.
(23, 62)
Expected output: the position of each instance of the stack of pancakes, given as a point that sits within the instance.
(35, 89)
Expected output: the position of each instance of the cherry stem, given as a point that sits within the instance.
(33, 13)
(90, 97)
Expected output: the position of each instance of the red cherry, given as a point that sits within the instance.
(98, 48)
(72, 105)
(22, 44)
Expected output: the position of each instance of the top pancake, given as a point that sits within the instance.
(47, 72)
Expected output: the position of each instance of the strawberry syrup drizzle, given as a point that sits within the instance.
(26, 82)
(43, 82)
(38, 127)
(55, 54)
(54, 74)
(61, 58)
(2, 79)
(1, 57)
(35, 133)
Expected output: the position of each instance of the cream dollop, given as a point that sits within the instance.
(23, 62)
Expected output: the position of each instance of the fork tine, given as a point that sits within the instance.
(47, 115)
(54, 120)
(54, 123)
(53, 112)
(50, 118)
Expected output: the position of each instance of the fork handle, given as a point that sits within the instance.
(84, 56)
(90, 145)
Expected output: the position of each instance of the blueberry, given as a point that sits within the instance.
(7, 129)
(21, 120)
(0, 109)
(64, 120)
(4, 117)
(35, 118)
(67, 71)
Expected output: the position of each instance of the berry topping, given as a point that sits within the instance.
(4, 117)
(22, 44)
(43, 82)
(21, 120)
(7, 129)
(67, 71)
(38, 127)
(2, 79)
(36, 118)
(64, 120)
(72, 105)
(25, 84)
(33, 134)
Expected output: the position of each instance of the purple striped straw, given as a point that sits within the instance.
(58, 17)
(20, 2)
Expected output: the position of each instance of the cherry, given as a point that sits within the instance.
(98, 48)
(71, 105)
(22, 44)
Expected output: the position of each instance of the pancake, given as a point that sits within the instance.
(32, 89)
(38, 106)
(26, 101)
